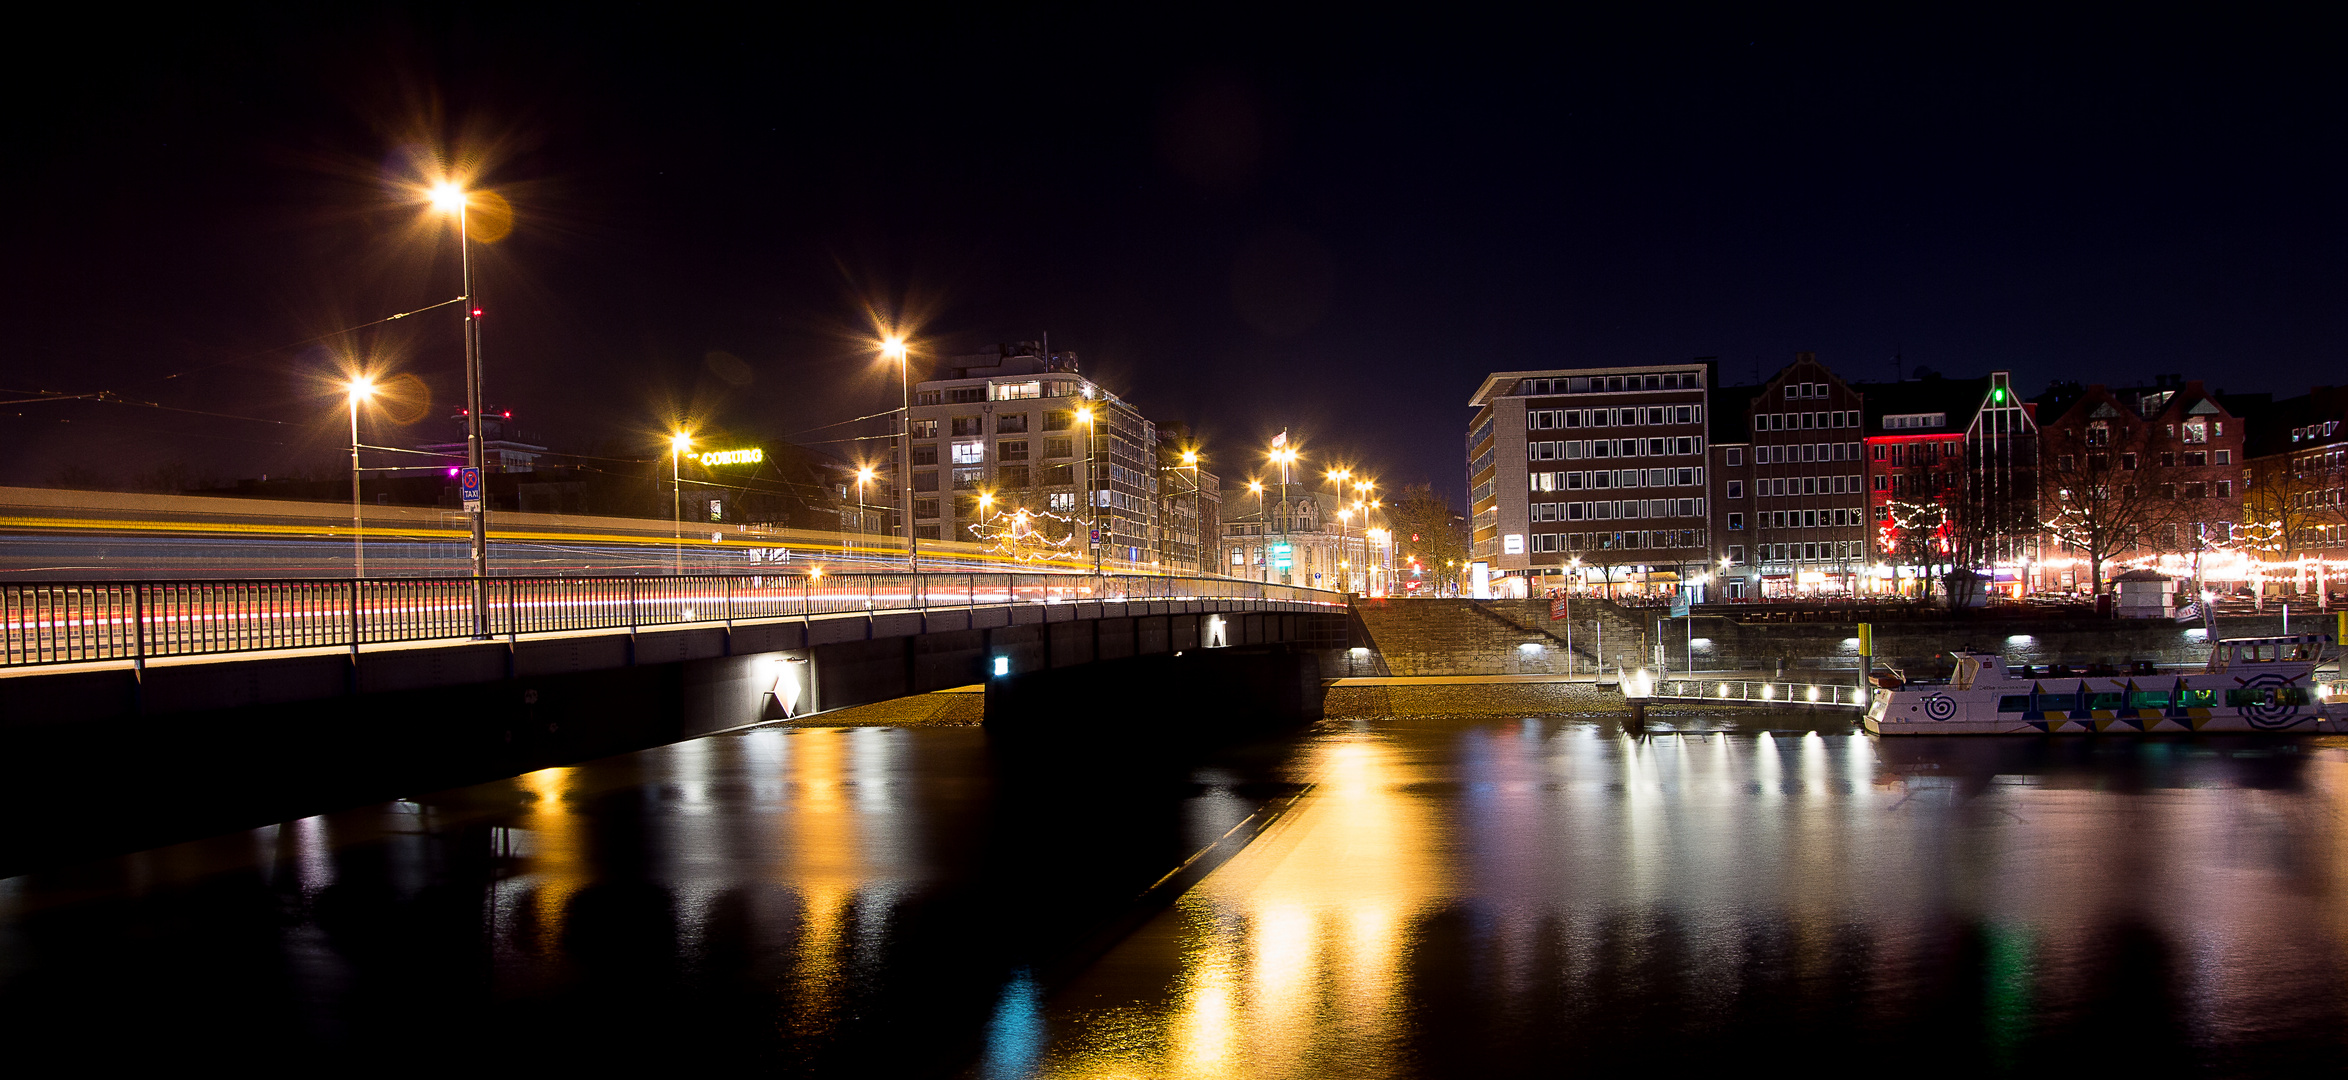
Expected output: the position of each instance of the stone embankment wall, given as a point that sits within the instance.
(1424, 637)
(1478, 698)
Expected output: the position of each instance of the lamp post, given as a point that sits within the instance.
(894, 349)
(1263, 530)
(1344, 515)
(361, 388)
(447, 197)
(863, 477)
(678, 442)
(1092, 515)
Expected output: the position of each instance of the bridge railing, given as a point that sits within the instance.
(78, 622)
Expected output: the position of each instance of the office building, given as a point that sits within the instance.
(1594, 475)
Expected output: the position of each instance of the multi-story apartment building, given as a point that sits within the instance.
(1014, 430)
(1189, 505)
(2295, 506)
(1593, 474)
(1952, 470)
(1789, 491)
(1734, 577)
(2138, 474)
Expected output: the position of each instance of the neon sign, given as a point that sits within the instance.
(731, 457)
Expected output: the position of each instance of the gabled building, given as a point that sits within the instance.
(1792, 510)
(2141, 475)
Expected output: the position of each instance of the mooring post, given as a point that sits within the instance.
(1866, 662)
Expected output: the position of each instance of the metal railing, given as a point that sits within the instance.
(1761, 692)
(79, 622)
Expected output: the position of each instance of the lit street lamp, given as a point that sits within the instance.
(678, 444)
(863, 477)
(448, 197)
(1092, 514)
(1264, 530)
(894, 349)
(361, 388)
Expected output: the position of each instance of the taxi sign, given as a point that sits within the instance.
(469, 487)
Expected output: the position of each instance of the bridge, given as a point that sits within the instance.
(301, 693)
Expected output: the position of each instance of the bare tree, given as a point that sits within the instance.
(2106, 493)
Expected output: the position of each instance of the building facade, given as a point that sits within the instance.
(1595, 476)
(1791, 495)
(2144, 476)
(1017, 450)
(2295, 508)
(1330, 545)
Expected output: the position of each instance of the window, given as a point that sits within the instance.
(966, 479)
(1879, 482)
(1736, 522)
(1792, 391)
(2225, 489)
(1015, 391)
(2196, 431)
(925, 429)
(1736, 489)
(2196, 457)
(1011, 450)
(1063, 500)
(925, 480)
(1059, 420)
(2128, 461)
(969, 425)
(2216, 457)
(1736, 456)
(925, 508)
(2168, 461)
(2099, 434)
(969, 453)
(1059, 448)
(925, 397)
(925, 454)
(1011, 423)
(966, 393)
(1011, 476)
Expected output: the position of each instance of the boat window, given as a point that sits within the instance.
(2058, 702)
(2014, 703)
(2107, 701)
(2196, 699)
(2149, 699)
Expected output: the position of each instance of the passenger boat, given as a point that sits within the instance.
(2249, 684)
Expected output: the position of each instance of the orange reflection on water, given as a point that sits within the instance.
(1290, 955)
(557, 859)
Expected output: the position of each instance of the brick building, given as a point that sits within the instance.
(1790, 497)
(2145, 475)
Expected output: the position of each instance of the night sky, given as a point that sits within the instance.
(1244, 221)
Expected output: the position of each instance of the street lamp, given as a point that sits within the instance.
(1092, 516)
(361, 388)
(448, 197)
(894, 349)
(863, 477)
(1263, 529)
(679, 442)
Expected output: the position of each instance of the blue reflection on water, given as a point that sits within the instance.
(1015, 1037)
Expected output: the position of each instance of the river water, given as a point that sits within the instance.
(1394, 897)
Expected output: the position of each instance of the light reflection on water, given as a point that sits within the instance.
(1449, 897)
(1504, 897)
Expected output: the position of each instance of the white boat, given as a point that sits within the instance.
(2249, 684)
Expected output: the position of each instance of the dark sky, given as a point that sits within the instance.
(1244, 221)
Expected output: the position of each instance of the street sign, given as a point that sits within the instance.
(1557, 608)
(1679, 605)
(469, 487)
(1280, 556)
